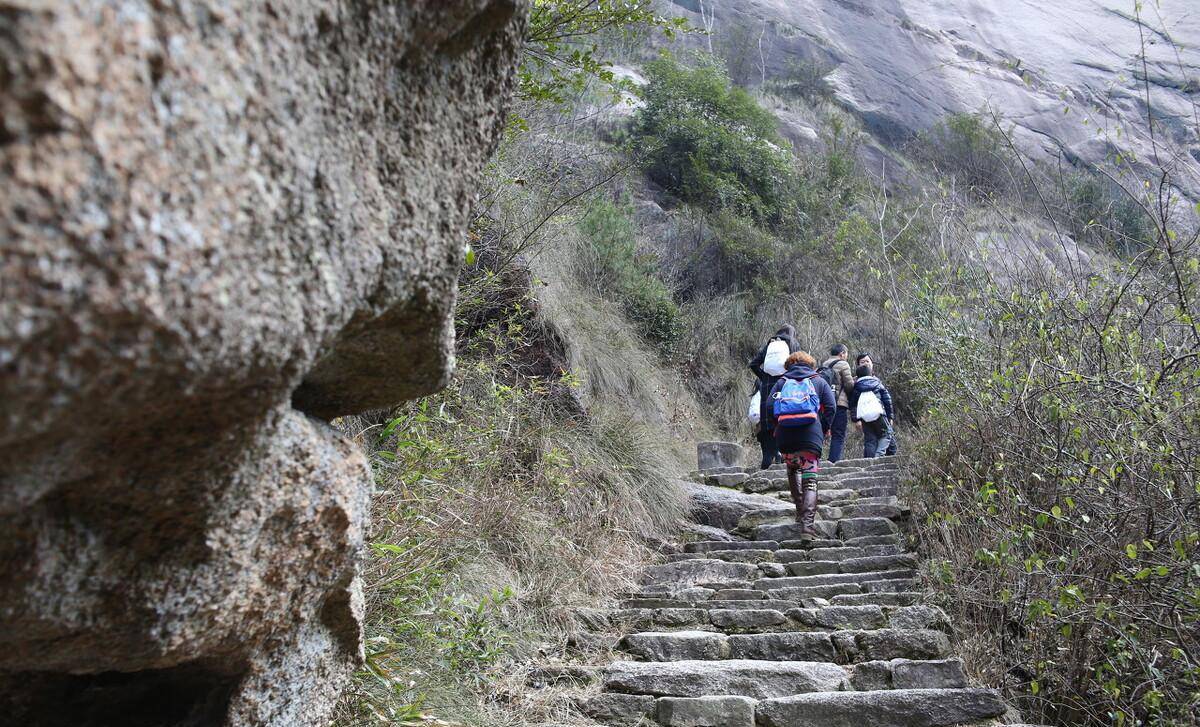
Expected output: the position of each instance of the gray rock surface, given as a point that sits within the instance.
(721, 507)
(901, 65)
(705, 712)
(896, 708)
(718, 456)
(221, 223)
(757, 679)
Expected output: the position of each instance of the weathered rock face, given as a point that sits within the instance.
(901, 65)
(220, 223)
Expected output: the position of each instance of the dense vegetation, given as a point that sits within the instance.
(1036, 324)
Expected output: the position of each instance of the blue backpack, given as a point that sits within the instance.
(796, 403)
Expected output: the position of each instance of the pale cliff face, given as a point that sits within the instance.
(1068, 74)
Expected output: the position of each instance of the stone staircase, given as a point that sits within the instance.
(755, 629)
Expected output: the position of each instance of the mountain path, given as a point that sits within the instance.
(754, 628)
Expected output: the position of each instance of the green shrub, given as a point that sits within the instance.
(804, 79)
(1102, 215)
(709, 142)
(610, 262)
(1061, 483)
(971, 151)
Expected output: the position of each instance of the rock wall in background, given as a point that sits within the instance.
(1068, 75)
(221, 223)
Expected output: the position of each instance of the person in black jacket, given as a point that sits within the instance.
(877, 434)
(765, 438)
(801, 436)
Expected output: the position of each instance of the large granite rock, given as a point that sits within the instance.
(901, 65)
(221, 223)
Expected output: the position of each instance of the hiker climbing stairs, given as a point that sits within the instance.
(754, 628)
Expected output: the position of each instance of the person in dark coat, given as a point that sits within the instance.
(765, 438)
(877, 435)
(800, 437)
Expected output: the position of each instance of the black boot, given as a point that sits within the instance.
(793, 478)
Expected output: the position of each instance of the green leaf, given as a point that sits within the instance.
(1131, 551)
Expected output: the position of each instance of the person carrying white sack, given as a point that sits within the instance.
(871, 408)
(768, 365)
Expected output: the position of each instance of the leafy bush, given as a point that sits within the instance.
(710, 143)
(1061, 488)
(1101, 214)
(804, 79)
(971, 151)
(610, 261)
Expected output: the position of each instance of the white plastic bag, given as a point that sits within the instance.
(775, 361)
(869, 407)
(754, 413)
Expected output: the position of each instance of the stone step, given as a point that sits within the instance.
(744, 555)
(697, 572)
(864, 564)
(745, 678)
(863, 617)
(772, 584)
(901, 598)
(894, 708)
(840, 647)
(704, 546)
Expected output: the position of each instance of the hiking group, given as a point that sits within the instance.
(798, 407)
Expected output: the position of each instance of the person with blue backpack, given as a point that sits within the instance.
(768, 365)
(800, 416)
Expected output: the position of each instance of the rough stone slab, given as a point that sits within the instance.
(793, 531)
(830, 578)
(745, 555)
(801, 593)
(695, 572)
(919, 617)
(712, 711)
(886, 644)
(745, 678)
(874, 540)
(879, 563)
(707, 533)
(618, 709)
(766, 515)
(882, 599)
(729, 479)
(786, 646)
(734, 620)
(720, 507)
(738, 594)
(772, 570)
(862, 526)
(843, 553)
(895, 708)
(928, 674)
(792, 556)
(710, 455)
(891, 512)
(675, 645)
(814, 567)
(811, 544)
(839, 618)
(705, 546)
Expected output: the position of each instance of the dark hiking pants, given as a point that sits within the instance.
(875, 438)
(837, 433)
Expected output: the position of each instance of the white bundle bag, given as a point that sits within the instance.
(775, 361)
(870, 407)
(754, 413)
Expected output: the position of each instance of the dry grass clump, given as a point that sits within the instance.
(501, 502)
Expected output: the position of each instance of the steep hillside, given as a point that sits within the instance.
(1078, 79)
